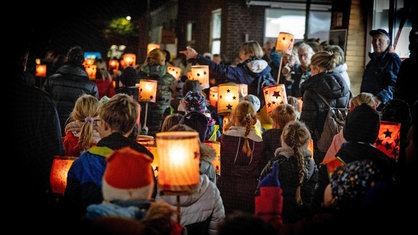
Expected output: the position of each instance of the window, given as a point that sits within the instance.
(215, 31)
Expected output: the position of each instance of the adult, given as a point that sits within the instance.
(381, 72)
(404, 89)
(68, 83)
(301, 71)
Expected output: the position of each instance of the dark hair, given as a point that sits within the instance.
(191, 85)
(76, 55)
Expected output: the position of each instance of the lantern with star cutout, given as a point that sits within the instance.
(147, 93)
(388, 140)
(228, 97)
(274, 95)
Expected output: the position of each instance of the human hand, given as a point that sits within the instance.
(190, 53)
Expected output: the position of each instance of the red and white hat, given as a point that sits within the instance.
(128, 176)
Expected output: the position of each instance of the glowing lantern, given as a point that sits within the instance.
(274, 96)
(201, 73)
(217, 161)
(174, 71)
(228, 97)
(284, 43)
(147, 93)
(40, 70)
(91, 71)
(59, 170)
(152, 46)
(389, 138)
(114, 65)
(213, 96)
(129, 59)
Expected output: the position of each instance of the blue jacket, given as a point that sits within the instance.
(380, 75)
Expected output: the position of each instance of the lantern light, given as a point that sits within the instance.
(147, 93)
(114, 65)
(388, 140)
(228, 97)
(58, 175)
(174, 71)
(201, 73)
(40, 70)
(274, 95)
(213, 96)
(215, 145)
(91, 70)
(284, 45)
(152, 46)
(129, 59)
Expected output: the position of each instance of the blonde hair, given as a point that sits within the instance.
(252, 48)
(102, 71)
(244, 115)
(121, 112)
(283, 114)
(171, 120)
(325, 60)
(338, 51)
(156, 56)
(363, 98)
(297, 136)
(86, 111)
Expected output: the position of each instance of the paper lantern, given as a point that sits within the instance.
(59, 172)
(152, 46)
(217, 161)
(190, 75)
(228, 97)
(389, 138)
(114, 65)
(147, 90)
(179, 156)
(91, 71)
(40, 70)
(213, 96)
(284, 43)
(129, 59)
(274, 95)
(201, 73)
(174, 71)
(88, 61)
(243, 90)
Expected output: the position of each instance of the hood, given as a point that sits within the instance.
(257, 66)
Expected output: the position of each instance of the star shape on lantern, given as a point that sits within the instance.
(387, 133)
(379, 142)
(388, 146)
(266, 92)
(234, 97)
(276, 94)
(229, 107)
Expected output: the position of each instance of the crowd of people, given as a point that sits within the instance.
(269, 179)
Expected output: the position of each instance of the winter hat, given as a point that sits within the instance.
(195, 101)
(254, 100)
(362, 124)
(129, 76)
(197, 121)
(379, 31)
(128, 176)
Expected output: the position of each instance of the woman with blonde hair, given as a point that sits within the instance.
(241, 159)
(104, 80)
(81, 132)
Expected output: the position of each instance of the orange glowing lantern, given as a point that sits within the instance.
(59, 170)
(228, 97)
(179, 156)
(147, 93)
(284, 43)
(40, 70)
(129, 59)
(274, 95)
(175, 71)
(213, 96)
(217, 161)
(201, 73)
(114, 65)
(152, 46)
(88, 61)
(91, 71)
(388, 140)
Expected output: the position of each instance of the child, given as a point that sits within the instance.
(241, 159)
(298, 173)
(280, 115)
(81, 133)
(117, 118)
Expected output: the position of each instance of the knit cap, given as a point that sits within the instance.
(195, 101)
(362, 124)
(129, 76)
(128, 176)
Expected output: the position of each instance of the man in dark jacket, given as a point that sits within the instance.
(68, 83)
(380, 75)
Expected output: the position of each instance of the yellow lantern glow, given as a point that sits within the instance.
(228, 97)
(217, 161)
(129, 59)
(59, 171)
(174, 71)
(388, 140)
(152, 46)
(285, 42)
(201, 73)
(147, 90)
(179, 156)
(274, 95)
(114, 65)
(40, 70)
(88, 61)
(213, 96)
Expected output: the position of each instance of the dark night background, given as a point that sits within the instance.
(61, 25)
